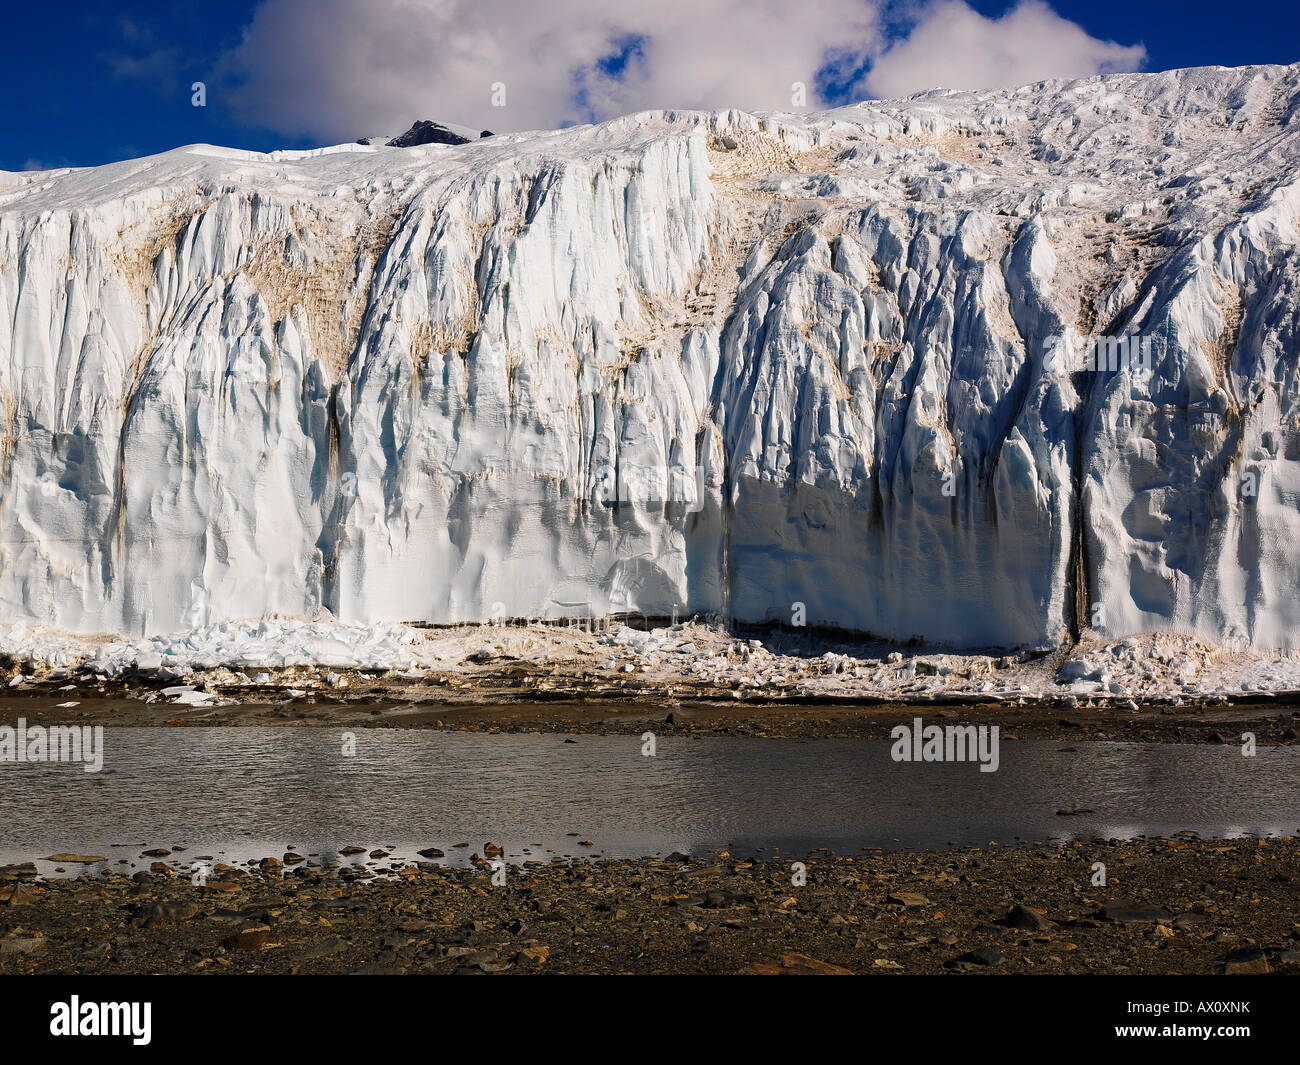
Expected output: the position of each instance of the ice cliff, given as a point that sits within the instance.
(830, 367)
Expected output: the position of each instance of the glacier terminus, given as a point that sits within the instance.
(681, 362)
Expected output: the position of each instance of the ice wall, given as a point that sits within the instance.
(828, 366)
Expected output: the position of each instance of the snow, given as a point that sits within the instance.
(296, 657)
(265, 643)
(347, 388)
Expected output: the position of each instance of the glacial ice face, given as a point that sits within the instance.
(831, 363)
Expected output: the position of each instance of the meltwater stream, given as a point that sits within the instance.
(240, 793)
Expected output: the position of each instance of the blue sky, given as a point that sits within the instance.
(88, 85)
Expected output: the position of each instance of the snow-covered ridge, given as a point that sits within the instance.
(827, 366)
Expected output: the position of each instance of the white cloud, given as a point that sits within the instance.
(345, 68)
(955, 47)
(339, 69)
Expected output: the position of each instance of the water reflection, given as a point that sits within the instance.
(237, 793)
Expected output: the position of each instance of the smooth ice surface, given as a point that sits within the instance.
(681, 360)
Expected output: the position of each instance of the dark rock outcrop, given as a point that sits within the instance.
(425, 132)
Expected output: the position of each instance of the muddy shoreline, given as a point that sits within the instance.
(490, 706)
(1185, 905)
(690, 677)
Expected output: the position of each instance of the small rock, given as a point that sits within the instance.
(906, 899)
(255, 938)
(983, 956)
(1026, 917)
(796, 965)
(325, 948)
(1246, 961)
(1122, 911)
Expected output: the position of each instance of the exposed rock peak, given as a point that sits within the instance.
(426, 132)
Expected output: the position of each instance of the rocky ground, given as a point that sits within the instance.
(1173, 906)
(1183, 905)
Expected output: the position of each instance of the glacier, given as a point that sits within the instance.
(825, 366)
